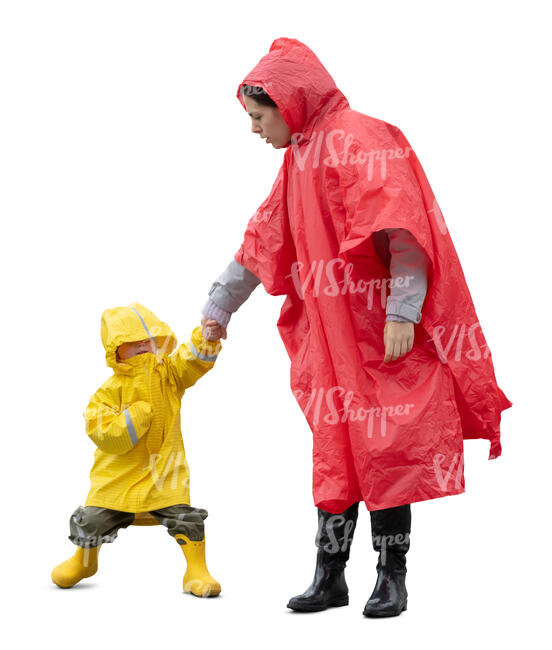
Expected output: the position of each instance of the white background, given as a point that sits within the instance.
(129, 173)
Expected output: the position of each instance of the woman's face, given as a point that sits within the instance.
(268, 122)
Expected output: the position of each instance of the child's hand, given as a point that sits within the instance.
(211, 330)
(398, 338)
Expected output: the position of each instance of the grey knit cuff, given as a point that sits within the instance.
(398, 319)
(403, 309)
(211, 310)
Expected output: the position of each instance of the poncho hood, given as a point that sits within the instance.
(300, 85)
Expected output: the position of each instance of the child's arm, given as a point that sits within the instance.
(112, 430)
(192, 360)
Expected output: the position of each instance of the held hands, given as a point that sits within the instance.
(398, 338)
(211, 330)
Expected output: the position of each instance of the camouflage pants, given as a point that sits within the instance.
(91, 526)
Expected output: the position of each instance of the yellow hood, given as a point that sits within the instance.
(133, 323)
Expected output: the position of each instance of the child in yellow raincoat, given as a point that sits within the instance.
(140, 474)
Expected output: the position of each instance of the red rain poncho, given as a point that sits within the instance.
(385, 433)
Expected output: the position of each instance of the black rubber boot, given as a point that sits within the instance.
(333, 539)
(391, 538)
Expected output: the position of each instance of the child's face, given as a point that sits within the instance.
(128, 350)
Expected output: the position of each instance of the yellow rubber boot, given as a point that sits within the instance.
(82, 565)
(197, 579)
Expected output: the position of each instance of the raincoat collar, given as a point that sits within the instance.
(139, 363)
(300, 85)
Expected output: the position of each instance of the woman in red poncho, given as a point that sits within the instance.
(352, 235)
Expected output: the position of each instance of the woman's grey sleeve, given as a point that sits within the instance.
(229, 291)
(409, 262)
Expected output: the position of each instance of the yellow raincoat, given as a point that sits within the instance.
(134, 417)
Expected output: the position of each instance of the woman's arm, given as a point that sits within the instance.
(228, 292)
(409, 261)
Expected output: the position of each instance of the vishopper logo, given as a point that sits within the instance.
(175, 464)
(446, 470)
(438, 216)
(398, 541)
(342, 153)
(333, 405)
(261, 215)
(325, 272)
(462, 339)
(329, 526)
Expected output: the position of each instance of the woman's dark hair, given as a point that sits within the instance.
(258, 94)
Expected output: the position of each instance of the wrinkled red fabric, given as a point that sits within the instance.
(385, 433)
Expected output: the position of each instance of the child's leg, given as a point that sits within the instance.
(90, 527)
(186, 525)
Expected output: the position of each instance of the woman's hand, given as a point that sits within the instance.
(211, 330)
(398, 338)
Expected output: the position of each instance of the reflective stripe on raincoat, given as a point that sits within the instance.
(386, 433)
(134, 418)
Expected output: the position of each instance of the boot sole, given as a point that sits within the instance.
(341, 602)
(67, 585)
(215, 591)
(384, 614)
(64, 586)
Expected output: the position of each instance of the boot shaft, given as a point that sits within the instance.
(391, 537)
(391, 528)
(335, 536)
